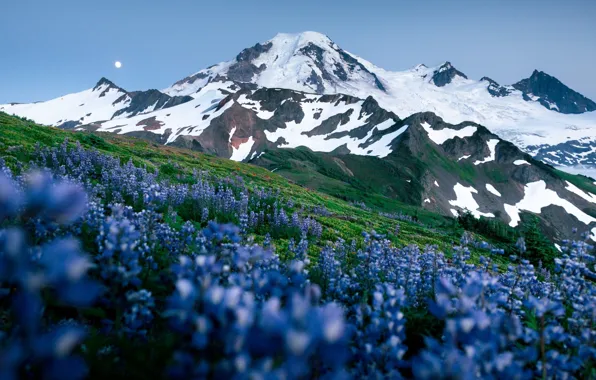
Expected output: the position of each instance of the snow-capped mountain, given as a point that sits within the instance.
(537, 114)
(104, 101)
(426, 124)
(537, 111)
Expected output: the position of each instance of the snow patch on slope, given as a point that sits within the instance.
(492, 145)
(576, 190)
(520, 162)
(465, 200)
(536, 197)
(439, 136)
(492, 189)
(243, 150)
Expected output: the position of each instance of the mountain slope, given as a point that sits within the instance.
(367, 143)
(448, 169)
(553, 94)
(539, 110)
(536, 113)
(421, 160)
(104, 101)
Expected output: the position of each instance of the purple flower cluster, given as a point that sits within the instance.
(176, 258)
(28, 273)
(199, 198)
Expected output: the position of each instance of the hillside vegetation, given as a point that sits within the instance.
(120, 258)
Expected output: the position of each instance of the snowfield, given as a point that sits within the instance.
(465, 201)
(85, 106)
(537, 196)
(491, 189)
(439, 136)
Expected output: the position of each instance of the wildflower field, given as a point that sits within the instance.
(120, 259)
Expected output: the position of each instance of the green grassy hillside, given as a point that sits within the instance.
(18, 138)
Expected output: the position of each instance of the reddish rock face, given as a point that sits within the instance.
(150, 124)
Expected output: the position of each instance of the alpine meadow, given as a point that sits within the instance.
(297, 212)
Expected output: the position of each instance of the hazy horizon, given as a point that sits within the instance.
(66, 46)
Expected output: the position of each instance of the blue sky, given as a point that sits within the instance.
(51, 48)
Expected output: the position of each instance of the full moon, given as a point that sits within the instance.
(118, 64)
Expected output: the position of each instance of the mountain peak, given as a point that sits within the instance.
(303, 38)
(553, 94)
(307, 61)
(446, 66)
(445, 74)
(105, 82)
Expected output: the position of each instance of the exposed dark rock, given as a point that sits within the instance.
(141, 100)
(191, 79)
(445, 74)
(553, 94)
(290, 111)
(316, 81)
(150, 124)
(329, 125)
(340, 72)
(339, 98)
(109, 85)
(252, 53)
(496, 89)
(72, 124)
(244, 71)
(315, 52)
(353, 62)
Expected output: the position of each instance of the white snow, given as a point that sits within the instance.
(552, 106)
(186, 120)
(255, 106)
(465, 201)
(439, 136)
(520, 162)
(513, 213)
(386, 124)
(492, 189)
(72, 107)
(464, 157)
(243, 150)
(574, 189)
(231, 134)
(294, 135)
(536, 197)
(492, 145)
